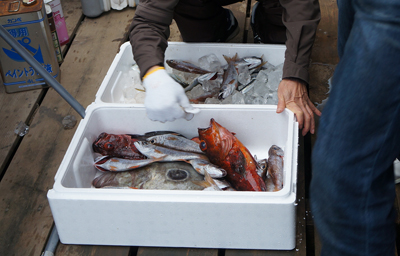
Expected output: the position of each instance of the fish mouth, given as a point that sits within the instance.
(212, 125)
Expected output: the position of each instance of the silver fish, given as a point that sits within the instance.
(175, 142)
(114, 164)
(153, 151)
(203, 167)
(229, 83)
(168, 175)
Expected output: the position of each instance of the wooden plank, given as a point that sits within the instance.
(88, 250)
(20, 107)
(325, 45)
(26, 218)
(164, 251)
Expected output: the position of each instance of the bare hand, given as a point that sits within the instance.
(293, 95)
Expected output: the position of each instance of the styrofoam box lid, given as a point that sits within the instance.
(111, 92)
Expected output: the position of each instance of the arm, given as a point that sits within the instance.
(165, 99)
(149, 32)
(301, 18)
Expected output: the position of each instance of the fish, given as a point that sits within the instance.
(175, 142)
(168, 154)
(113, 164)
(160, 175)
(117, 145)
(204, 96)
(226, 151)
(229, 83)
(262, 166)
(186, 66)
(275, 166)
(213, 186)
(202, 166)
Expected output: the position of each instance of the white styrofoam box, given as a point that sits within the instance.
(177, 218)
(110, 90)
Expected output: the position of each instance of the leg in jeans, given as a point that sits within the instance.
(202, 20)
(352, 187)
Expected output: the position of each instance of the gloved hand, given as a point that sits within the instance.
(165, 99)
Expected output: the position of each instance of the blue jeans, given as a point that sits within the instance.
(352, 188)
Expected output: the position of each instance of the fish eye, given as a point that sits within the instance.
(152, 141)
(177, 175)
(203, 145)
(108, 145)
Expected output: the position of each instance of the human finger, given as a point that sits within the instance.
(306, 116)
(297, 111)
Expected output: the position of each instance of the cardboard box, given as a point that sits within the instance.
(172, 218)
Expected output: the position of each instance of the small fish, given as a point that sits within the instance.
(168, 176)
(229, 83)
(116, 145)
(186, 66)
(262, 166)
(213, 185)
(153, 151)
(175, 142)
(275, 166)
(202, 166)
(192, 85)
(114, 164)
(226, 151)
(178, 80)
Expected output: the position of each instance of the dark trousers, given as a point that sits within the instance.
(206, 21)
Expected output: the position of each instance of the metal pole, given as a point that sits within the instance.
(50, 80)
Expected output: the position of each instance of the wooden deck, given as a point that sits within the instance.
(29, 163)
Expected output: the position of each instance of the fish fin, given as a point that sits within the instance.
(228, 59)
(201, 183)
(101, 168)
(226, 145)
(101, 159)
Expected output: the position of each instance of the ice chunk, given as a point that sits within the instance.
(274, 78)
(210, 62)
(272, 98)
(21, 129)
(212, 101)
(238, 98)
(210, 85)
(243, 74)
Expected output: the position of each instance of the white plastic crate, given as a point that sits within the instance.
(171, 218)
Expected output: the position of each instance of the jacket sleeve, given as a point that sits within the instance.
(149, 32)
(301, 18)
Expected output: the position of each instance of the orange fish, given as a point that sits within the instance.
(226, 151)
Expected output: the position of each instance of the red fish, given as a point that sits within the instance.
(226, 151)
(117, 145)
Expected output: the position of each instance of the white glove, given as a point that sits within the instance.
(165, 99)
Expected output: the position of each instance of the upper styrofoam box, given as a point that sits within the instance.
(110, 90)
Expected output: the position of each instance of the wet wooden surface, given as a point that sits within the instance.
(29, 163)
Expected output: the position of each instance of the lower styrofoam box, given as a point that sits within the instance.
(111, 90)
(177, 218)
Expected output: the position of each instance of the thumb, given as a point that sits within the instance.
(281, 104)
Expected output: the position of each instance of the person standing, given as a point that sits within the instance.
(352, 187)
